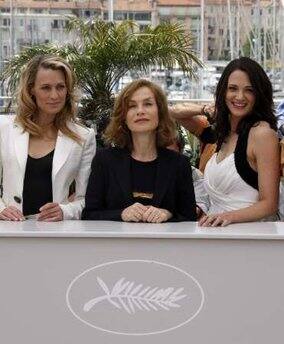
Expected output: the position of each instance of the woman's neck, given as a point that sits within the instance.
(234, 124)
(144, 146)
(45, 121)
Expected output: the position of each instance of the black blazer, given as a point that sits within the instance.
(109, 187)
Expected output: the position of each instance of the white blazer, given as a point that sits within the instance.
(71, 161)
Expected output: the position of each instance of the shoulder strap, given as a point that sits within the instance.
(241, 162)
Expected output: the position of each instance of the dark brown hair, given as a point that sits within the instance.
(263, 109)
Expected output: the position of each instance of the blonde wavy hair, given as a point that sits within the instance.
(27, 110)
(117, 132)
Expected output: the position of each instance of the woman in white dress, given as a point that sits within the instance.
(242, 177)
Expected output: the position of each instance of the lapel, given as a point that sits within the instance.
(63, 148)
(122, 172)
(165, 171)
(21, 144)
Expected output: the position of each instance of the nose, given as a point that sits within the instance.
(140, 109)
(53, 93)
(240, 94)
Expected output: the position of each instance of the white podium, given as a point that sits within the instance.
(110, 282)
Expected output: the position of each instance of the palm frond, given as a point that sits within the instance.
(104, 52)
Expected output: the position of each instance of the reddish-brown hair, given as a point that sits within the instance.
(117, 132)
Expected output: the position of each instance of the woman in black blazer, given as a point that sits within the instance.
(139, 179)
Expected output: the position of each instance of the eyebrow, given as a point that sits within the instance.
(59, 83)
(247, 86)
(149, 98)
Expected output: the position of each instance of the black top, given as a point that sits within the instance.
(109, 189)
(143, 175)
(37, 189)
(242, 165)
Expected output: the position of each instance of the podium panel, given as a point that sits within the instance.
(108, 282)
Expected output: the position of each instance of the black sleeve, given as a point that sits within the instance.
(185, 197)
(208, 135)
(95, 199)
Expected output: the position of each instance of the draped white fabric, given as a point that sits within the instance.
(226, 189)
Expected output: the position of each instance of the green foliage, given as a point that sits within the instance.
(104, 52)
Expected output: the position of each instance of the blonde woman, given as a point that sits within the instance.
(43, 148)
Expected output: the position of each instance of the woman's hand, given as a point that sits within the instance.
(199, 213)
(11, 214)
(215, 220)
(133, 213)
(156, 215)
(50, 212)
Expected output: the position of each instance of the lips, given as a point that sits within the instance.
(141, 120)
(239, 106)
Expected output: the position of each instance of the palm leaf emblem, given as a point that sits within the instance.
(129, 296)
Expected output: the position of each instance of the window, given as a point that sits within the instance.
(142, 16)
(5, 10)
(58, 24)
(120, 16)
(6, 22)
(5, 51)
(55, 25)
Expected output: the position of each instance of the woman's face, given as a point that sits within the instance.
(50, 91)
(142, 115)
(240, 98)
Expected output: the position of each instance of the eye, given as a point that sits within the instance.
(148, 104)
(61, 87)
(45, 88)
(130, 106)
(250, 90)
(232, 88)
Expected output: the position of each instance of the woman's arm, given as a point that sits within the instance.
(95, 204)
(193, 117)
(185, 197)
(282, 156)
(264, 148)
(72, 210)
(7, 213)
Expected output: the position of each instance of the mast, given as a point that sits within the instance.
(230, 29)
(11, 28)
(202, 30)
(110, 10)
(201, 47)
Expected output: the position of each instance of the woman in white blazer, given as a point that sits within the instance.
(43, 150)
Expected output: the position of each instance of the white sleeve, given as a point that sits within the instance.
(73, 210)
(201, 196)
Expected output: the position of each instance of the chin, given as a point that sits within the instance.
(143, 130)
(239, 113)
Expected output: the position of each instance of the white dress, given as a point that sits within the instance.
(226, 189)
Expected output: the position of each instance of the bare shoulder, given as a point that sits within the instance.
(263, 133)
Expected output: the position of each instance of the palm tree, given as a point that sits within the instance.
(104, 52)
